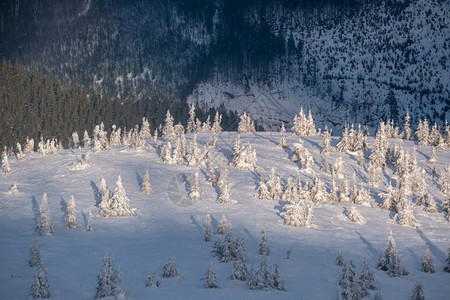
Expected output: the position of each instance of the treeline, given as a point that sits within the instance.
(35, 105)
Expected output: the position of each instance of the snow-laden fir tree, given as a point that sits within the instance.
(349, 284)
(13, 189)
(333, 195)
(34, 258)
(246, 125)
(105, 199)
(195, 191)
(5, 163)
(391, 260)
(388, 199)
(366, 280)
(407, 132)
(216, 125)
(19, 153)
(45, 223)
(89, 222)
(298, 214)
(373, 174)
(211, 277)
(338, 168)
(417, 292)
(244, 158)
(435, 135)
(224, 226)
(151, 280)
(427, 263)
(354, 189)
(86, 139)
(166, 153)
(283, 142)
(194, 156)
(145, 132)
(444, 181)
(433, 156)
(363, 197)
(344, 143)
(169, 270)
(423, 132)
(354, 216)
(318, 191)
(70, 218)
(344, 192)
(168, 131)
(74, 140)
(430, 204)
(302, 154)
(339, 259)
(146, 186)
(120, 206)
(264, 245)
(325, 144)
(179, 129)
(288, 194)
(208, 228)
(108, 279)
(29, 146)
(191, 121)
(40, 287)
(224, 186)
(179, 154)
(303, 125)
(264, 193)
(406, 215)
(240, 271)
(274, 185)
(206, 126)
(380, 147)
(325, 166)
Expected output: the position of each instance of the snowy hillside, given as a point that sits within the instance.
(166, 223)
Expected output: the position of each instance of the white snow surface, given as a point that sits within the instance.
(161, 229)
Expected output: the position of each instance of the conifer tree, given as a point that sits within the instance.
(45, 223)
(208, 228)
(344, 143)
(246, 125)
(195, 192)
(5, 163)
(388, 199)
(263, 190)
(430, 205)
(145, 130)
(288, 194)
(75, 140)
(423, 132)
(223, 184)
(433, 156)
(338, 168)
(120, 206)
(447, 268)
(354, 216)
(274, 185)
(216, 125)
(191, 121)
(240, 271)
(339, 259)
(333, 195)
(211, 277)
(349, 285)
(407, 133)
(283, 142)
(40, 287)
(146, 187)
(326, 147)
(152, 282)
(417, 292)
(391, 261)
(168, 132)
(264, 246)
(179, 154)
(105, 199)
(29, 146)
(108, 279)
(366, 280)
(70, 218)
(115, 138)
(378, 156)
(298, 214)
(344, 193)
(318, 192)
(435, 135)
(34, 258)
(89, 222)
(166, 153)
(427, 263)
(302, 154)
(170, 270)
(19, 153)
(224, 226)
(86, 139)
(406, 215)
(244, 158)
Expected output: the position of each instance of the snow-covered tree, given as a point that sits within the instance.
(354, 216)
(344, 192)
(263, 190)
(211, 277)
(240, 271)
(70, 218)
(430, 204)
(349, 284)
(433, 156)
(326, 146)
(151, 280)
(366, 280)
(13, 189)
(208, 228)
(45, 223)
(146, 186)
(298, 214)
(407, 133)
(34, 259)
(283, 142)
(224, 186)
(170, 270)
(246, 125)
(373, 175)
(427, 263)
(406, 215)
(86, 139)
(89, 222)
(303, 125)
(338, 168)
(5, 163)
(145, 132)
(318, 191)
(191, 121)
(423, 132)
(288, 194)
(168, 132)
(216, 125)
(19, 153)
(105, 199)
(40, 287)
(388, 199)
(333, 195)
(391, 261)
(339, 259)
(224, 226)
(344, 143)
(274, 185)
(195, 191)
(108, 279)
(435, 135)
(264, 246)
(74, 140)
(380, 147)
(115, 138)
(302, 154)
(444, 181)
(194, 157)
(417, 292)
(363, 197)
(120, 206)
(179, 154)
(29, 146)
(447, 268)
(166, 153)
(244, 158)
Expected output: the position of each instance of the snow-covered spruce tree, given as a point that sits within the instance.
(326, 146)
(447, 268)
(263, 190)
(406, 215)
(170, 270)
(208, 228)
(224, 186)
(363, 197)
(168, 132)
(19, 153)
(430, 204)
(298, 214)
(354, 216)
(354, 189)
(191, 121)
(70, 218)
(325, 165)
(105, 199)
(244, 159)
(179, 129)
(344, 143)
(302, 154)
(206, 126)
(224, 226)
(303, 125)
(338, 168)
(380, 147)
(103, 137)
(283, 142)
(373, 175)
(86, 139)
(423, 132)
(388, 199)
(444, 181)
(108, 279)
(195, 191)
(194, 156)
(427, 263)
(29, 146)
(264, 246)
(391, 261)
(74, 140)
(216, 125)
(366, 280)
(211, 277)
(407, 132)
(288, 194)
(344, 192)
(5, 163)
(417, 292)
(145, 132)
(433, 156)
(45, 223)
(246, 125)
(435, 135)
(274, 185)
(146, 186)
(120, 206)
(34, 258)
(318, 191)
(89, 222)
(151, 280)
(240, 271)
(40, 287)
(349, 284)
(179, 154)
(333, 195)
(339, 259)
(166, 153)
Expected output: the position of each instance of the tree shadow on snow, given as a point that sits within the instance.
(372, 249)
(435, 250)
(194, 221)
(85, 219)
(63, 205)
(279, 207)
(96, 195)
(139, 180)
(35, 208)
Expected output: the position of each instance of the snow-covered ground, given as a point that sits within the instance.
(162, 228)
